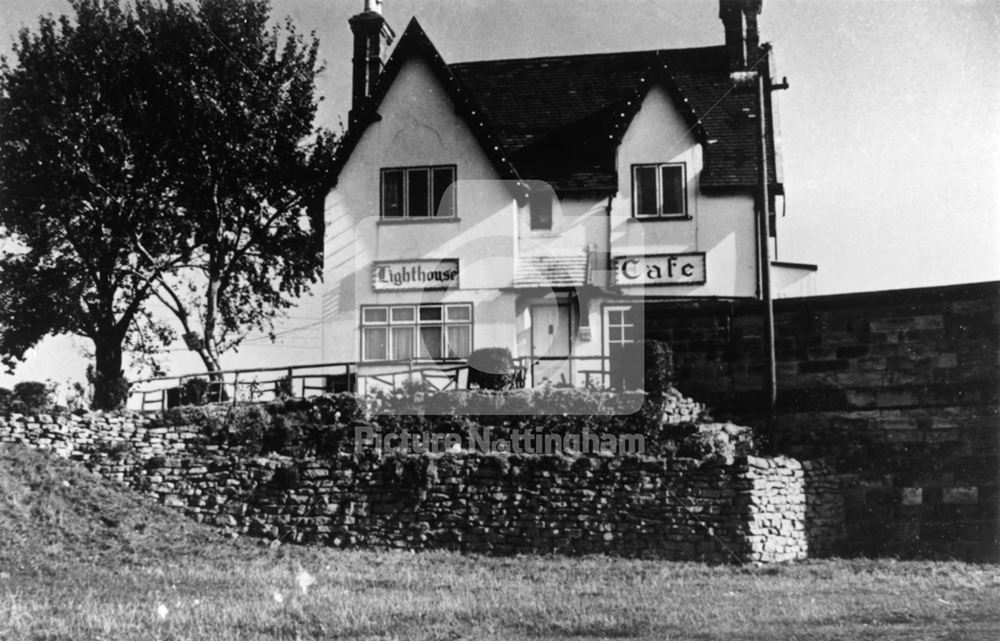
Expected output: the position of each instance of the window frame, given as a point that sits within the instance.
(405, 201)
(660, 215)
(543, 201)
(415, 326)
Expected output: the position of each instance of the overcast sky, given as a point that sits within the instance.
(890, 133)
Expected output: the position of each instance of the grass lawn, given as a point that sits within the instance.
(85, 560)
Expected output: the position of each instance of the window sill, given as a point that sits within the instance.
(416, 221)
(658, 219)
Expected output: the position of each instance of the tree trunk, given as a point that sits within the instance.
(216, 382)
(110, 386)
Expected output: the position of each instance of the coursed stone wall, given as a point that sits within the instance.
(900, 390)
(753, 509)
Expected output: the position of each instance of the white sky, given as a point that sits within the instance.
(890, 132)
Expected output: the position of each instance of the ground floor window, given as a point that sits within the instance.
(404, 332)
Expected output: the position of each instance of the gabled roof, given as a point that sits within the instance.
(560, 119)
(414, 43)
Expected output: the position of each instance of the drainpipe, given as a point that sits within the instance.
(764, 230)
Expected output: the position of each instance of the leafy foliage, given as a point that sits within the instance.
(160, 152)
(250, 222)
(28, 397)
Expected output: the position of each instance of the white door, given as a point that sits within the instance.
(550, 344)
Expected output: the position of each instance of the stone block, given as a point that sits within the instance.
(960, 495)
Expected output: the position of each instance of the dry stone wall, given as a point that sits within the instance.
(753, 509)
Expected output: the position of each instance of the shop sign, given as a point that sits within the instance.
(415, 274)
(660, 269)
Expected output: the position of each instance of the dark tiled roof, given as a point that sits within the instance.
(561, 118)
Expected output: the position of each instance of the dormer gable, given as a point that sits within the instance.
(414, 44)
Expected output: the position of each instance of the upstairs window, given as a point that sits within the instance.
(540, 203)
(418, 192)
(659, 191)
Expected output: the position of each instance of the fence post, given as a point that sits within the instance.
(236, 386)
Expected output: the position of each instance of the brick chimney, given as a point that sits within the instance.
(372, 37)
(739, 18)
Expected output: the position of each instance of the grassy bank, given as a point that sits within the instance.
(86, 560)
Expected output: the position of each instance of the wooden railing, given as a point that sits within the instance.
(304, 381)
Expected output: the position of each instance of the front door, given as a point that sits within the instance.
(550, 344)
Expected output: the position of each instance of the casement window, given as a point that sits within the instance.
(424, 332)
(540, 204)
(659, 191)
(418, 192)
(621, 326)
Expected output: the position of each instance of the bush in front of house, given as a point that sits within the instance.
(325, 425)
(194, 391)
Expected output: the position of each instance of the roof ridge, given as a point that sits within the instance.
(595, 55)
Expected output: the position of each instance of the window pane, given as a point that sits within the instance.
(392, 193)
(541, 209)
(673, 190)
(459, 340)
(374, 315)
(614, 334)
(430, 342)
(645, 191)
(430, 313)
(403, 314)
(375, 343)
(459, 313)
(444, 198)
(402, 343)
(615, 316)
(418, 192)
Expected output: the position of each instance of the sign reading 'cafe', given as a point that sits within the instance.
(663, 269)
(415, 274)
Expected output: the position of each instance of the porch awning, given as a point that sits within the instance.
(569, 270)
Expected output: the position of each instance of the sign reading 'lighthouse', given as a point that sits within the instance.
(415, 274)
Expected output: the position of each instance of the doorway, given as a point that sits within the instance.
(550, 344)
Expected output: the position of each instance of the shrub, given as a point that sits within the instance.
(31, 397)
(491, 368)
(6, 397)
(646, 365)
(194, 391)
(341, 407)
(245, 426)
(112, 394)
(283, 435)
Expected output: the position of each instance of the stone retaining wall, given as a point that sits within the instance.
(900, 390)
(753, 509)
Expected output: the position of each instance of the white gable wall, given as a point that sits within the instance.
(419, 126)
(722, 226)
